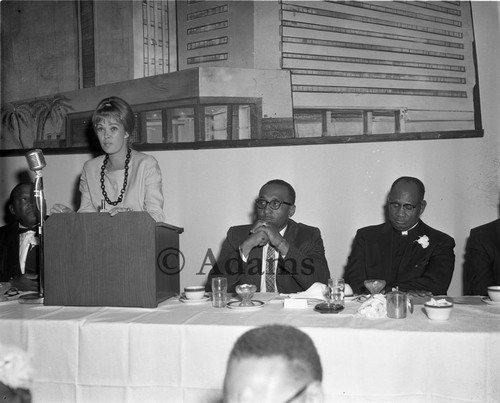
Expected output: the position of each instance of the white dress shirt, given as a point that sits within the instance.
(26, 241)
(264, 264)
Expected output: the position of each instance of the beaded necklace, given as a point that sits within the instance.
(125, 176)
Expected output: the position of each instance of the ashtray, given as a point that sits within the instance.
(325, 307)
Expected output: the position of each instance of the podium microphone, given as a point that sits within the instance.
(36, 162)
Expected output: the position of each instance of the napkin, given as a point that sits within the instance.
(373, 308)
(316, 291)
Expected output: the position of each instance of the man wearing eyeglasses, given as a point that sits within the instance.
(273, 364)
(405, 252)
(276, 254)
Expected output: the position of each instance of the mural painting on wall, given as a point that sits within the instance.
(348, 72)
(36, 123)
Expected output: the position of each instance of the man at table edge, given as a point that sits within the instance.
(405, 252)
(297, 257)
(482, 259)
(18, 241)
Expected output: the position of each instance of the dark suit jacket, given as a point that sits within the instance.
(9, 252)
(482, 259)
(428, 269)
(304, 264)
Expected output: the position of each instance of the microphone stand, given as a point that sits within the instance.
(38, 298)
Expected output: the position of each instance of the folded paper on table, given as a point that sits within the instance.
(295, 303)
(316, 291)
(373, 308)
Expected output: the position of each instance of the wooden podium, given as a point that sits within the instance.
(94, 259)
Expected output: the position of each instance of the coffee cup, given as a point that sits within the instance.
(494, 292)
(194, 292)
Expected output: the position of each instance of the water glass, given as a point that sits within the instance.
(336, 287)
(219, 292)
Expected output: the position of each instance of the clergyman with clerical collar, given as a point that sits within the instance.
(405, 252)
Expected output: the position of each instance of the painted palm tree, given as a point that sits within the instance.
(14, 116)
(54, 108)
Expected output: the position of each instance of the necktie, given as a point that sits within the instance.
(270, 277)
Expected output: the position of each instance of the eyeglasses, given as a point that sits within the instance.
(274, 204)
(407, 206)
(297, 394)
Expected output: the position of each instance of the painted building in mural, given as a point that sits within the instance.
(220, 72)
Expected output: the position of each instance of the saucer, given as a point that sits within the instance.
(194, 301)
(12, 295)
(350, 297)
(488, 301)
(236, 305)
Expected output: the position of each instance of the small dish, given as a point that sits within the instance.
(441, 311)
(236, 305)
(13, 292)
(361, 298)
(194, 301)
(350, 297)
(487, 300)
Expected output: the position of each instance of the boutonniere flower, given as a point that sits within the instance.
(423, 241)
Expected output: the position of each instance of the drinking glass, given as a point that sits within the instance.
(336, 287)
(334, 298)
(398, 303)
(219, 292)
(374, 286)
(246, 292)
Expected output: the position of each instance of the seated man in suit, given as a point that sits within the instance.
(482, 259)
(405, 252)
(273, 363)
(275, 253)
(18, 241)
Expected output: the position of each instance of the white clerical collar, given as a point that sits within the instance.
(405, 233)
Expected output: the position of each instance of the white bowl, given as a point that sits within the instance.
(194, 292)
(494, 292)
(438, 312)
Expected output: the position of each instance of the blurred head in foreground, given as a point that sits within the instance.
(15, 375)
(273, 363)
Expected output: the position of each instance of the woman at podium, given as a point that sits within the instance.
(121, 179)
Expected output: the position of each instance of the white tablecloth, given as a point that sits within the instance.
(178, 352)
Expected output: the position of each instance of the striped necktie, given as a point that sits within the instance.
(270, 273)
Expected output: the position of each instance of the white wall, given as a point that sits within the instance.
(340, 187)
